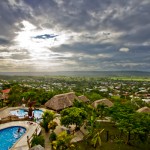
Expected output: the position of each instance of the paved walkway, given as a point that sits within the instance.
(46, 137)
(78, 135)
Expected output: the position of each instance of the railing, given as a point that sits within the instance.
(12, 118)
(29, 139)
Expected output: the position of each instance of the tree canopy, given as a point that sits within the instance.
(73, 115)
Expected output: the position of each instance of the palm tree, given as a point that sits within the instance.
(95, 137)
(101, 109)
(47, 117)
(94, 131)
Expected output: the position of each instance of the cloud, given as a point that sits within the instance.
(4, 41)
(67, 35)
(124, 49)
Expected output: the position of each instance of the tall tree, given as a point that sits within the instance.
(129, 121)
(73, 115)
(102, 110)
(94, 133)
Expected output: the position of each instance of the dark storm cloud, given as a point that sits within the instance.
(9, 15)
(4, 41)
(86, 48)
(138, 35)
(86, 15)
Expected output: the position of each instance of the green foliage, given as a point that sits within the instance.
(38, 140)
(52, 125)
(29, 95)
(102, 110)
(63, 142)
(120, 111)
(73, 115)
(129, 121)
(94, 135)
(47, 117)
(136, 123)
(14, 99)
(115, 98)
(139, 103)
(53, 136)
(97, 139)
(93, 96)
(79, 104)
(91, 122)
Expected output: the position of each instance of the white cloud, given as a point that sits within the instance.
(27, 26)
(124, 49)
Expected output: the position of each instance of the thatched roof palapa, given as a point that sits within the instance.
(61, 101)
(102, 101)
(144, 110)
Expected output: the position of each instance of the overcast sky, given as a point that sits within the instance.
(79, 35)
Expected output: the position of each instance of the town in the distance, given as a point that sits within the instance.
(75, 112)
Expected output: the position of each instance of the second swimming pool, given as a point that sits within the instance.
(22, 112)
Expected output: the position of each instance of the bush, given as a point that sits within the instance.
(53, 136)
(47, 117)
(38, 140)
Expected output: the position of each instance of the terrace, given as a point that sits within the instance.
(9, 120)
(31, 128)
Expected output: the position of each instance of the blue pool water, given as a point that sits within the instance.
(9, 136)
(22, 112)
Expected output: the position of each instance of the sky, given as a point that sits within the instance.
(74, 35)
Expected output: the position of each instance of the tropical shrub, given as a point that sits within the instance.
(37, 140)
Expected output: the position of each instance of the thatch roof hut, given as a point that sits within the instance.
(144, 110)
(61, 101)
(83, 98)
(102, 101)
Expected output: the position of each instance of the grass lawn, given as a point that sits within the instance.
(113, 143)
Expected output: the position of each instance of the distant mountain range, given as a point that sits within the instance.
(80, 73)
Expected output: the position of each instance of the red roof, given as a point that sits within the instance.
(6, 91)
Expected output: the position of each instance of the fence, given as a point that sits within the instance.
(29, 139)
(12, 118)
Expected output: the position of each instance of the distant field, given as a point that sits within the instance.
(132, 78)
(82, 73)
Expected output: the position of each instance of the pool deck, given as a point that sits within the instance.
(6, 111)
(31, 127)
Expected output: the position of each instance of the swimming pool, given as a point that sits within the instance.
(22, 112)
(9, 136)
